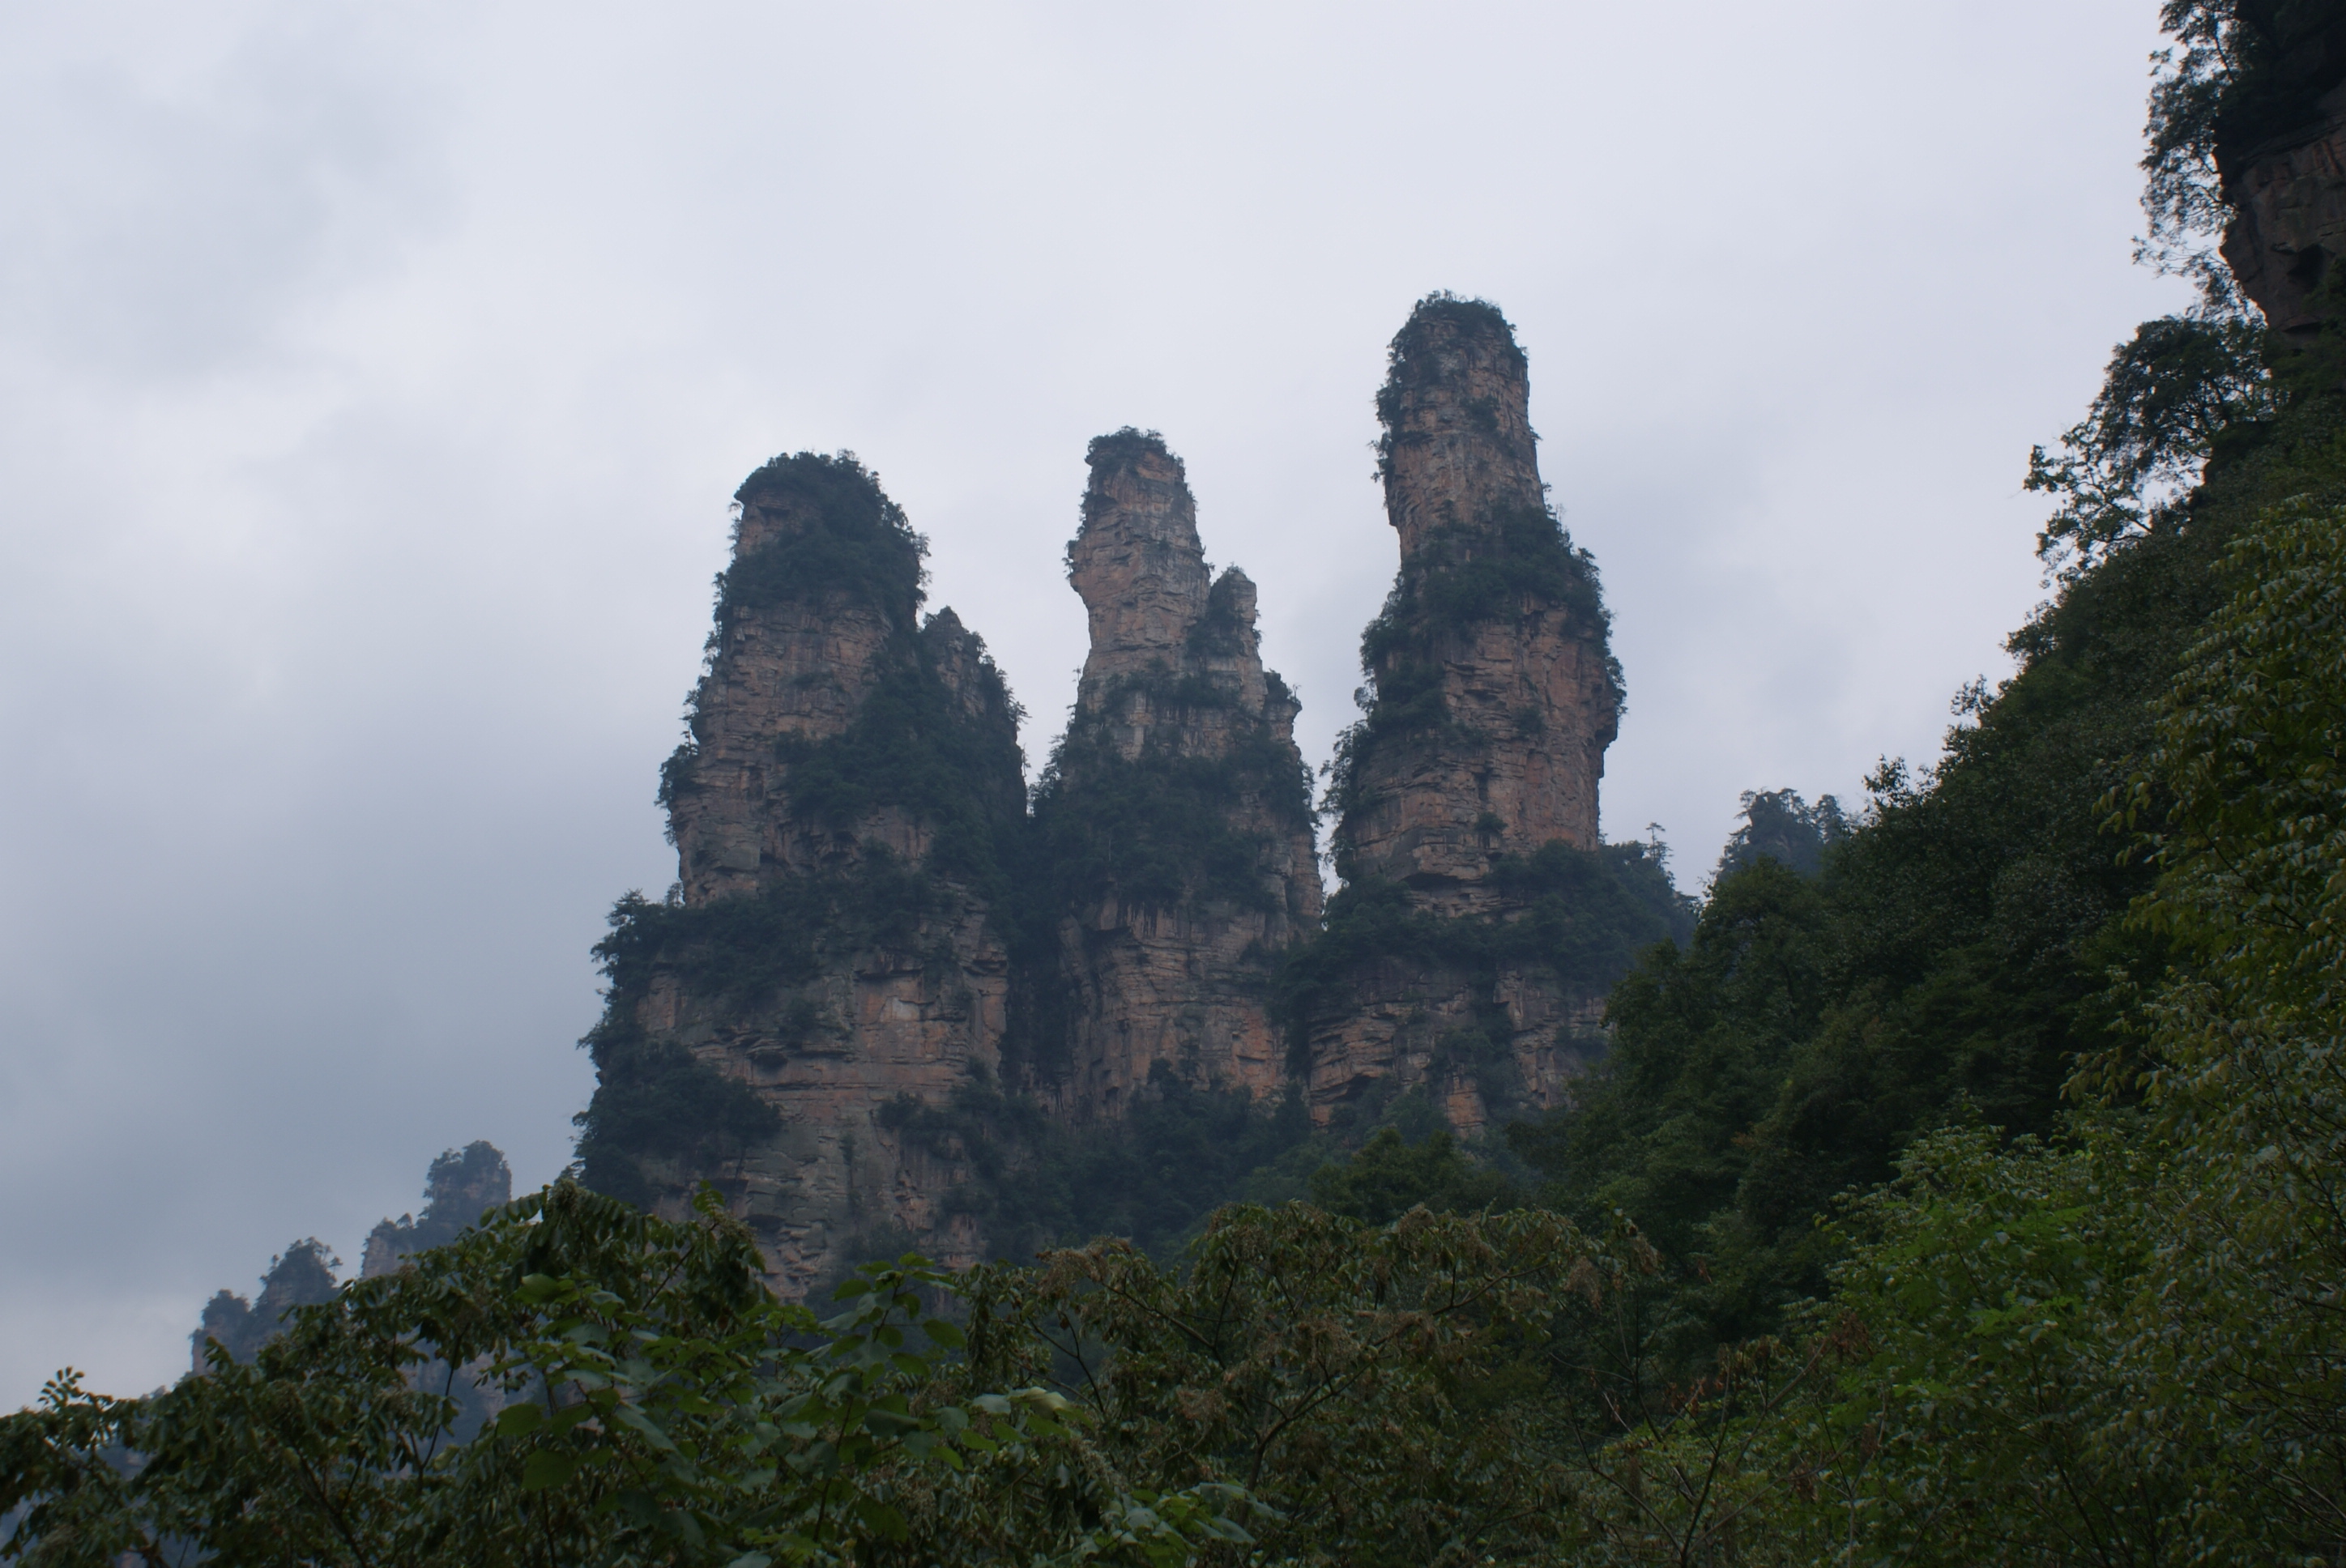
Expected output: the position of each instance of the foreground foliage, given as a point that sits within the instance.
(657, 1405)
(2114, 1341)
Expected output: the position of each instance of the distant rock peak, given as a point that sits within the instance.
(877, 927)
(1137, 561)
(1457, 455)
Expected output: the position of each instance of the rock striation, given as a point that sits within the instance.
(1491, 699)
(892, 1002)
(835, 945)
(2275, 127)
(1176, 816)
(2288, 229)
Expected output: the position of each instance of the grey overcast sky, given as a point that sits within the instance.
(373, 379)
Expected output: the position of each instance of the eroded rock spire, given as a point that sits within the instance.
(1176, 815)
(1467, 794)
(1495, 694)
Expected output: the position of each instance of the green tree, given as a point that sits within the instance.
(656, 1406)
(1380, 1387)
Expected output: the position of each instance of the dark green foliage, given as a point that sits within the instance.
(1957, 958)
(1581, 915)
(1380, 1391)
(916, 745)
(2183, 385)
(1155, 829)
(1462, 577)
(743, 950)
(653, 1100)
(653, 1404)
(845, 537)
(458, 1188)
(1179, 1153)
(1154, 832)
(1663, 1129)
(1119, 447)
(1779, 825)
(1389, 1175)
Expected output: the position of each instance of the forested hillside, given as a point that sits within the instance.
(1967, 1185)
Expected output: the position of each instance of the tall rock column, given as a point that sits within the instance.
(1176, 819)
(1467, 791)
(841, 813)
(1494, 693)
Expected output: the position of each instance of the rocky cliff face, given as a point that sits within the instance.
(2276, 125)
(2288, 231)
(1494, 694)
(892, 1004)
(835, 946)
(1493, 697)
(1176, 816)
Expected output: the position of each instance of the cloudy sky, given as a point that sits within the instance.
(373, 379)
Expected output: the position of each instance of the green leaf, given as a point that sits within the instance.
(515, 1420)
(538, 1288)
(642, 1426)
(890, 1423)
(547, 1467)
(880, 1519)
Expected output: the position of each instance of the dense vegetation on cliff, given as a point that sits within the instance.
(1580, 914)
(1965, 1187)
(1155, 828)
(2111, 1343)
(933, 742)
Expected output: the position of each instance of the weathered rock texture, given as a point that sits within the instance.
(834, 947)
(1495, 694)
(2287, 230)
(1494, 699)
(1177, 814)
(2274, 121)
(892, 1002)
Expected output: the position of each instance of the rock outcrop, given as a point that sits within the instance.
(892, 1003)
(1176, 815)
(2288, 231)
(1493, 696)
(2277, 129)
(834, 947)
(301, 1275)
(461, 1186)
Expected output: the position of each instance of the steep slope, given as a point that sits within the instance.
(1973, 952)
(1481, 921)
(1175, 819)
(1495, 694)
(840, 815)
